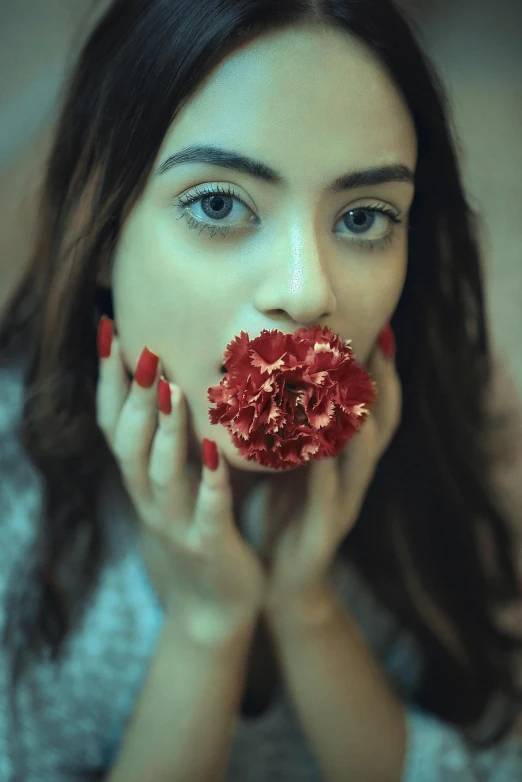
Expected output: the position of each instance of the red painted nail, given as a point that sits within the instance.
(105, 334)
(147, 368)
(164, 398)
(210, 454)
(387, 342)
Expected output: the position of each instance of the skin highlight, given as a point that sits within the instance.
(291, 255)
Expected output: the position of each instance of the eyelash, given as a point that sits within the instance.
(190, 198)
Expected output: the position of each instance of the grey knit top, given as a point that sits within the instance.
(74, 714)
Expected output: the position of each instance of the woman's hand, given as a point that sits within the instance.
(301, 542)
(204, 573)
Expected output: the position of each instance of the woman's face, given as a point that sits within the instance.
(284, 251)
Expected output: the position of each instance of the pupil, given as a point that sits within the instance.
(358, 218)
(216, 206)
(213, 203)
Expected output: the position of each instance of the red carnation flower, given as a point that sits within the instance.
(288, 399)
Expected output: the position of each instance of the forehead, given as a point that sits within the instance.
(320, 97)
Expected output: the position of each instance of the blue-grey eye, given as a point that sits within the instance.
(360, 219)
(216, 207)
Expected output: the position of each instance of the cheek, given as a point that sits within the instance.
(373, 307)
(400, 272)
(387, 283)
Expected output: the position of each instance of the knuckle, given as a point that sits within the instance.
(208, 501)
(168, 428)
(166, 535)
(129, 462)
(135, 403)
(142, 397)
(196, 547)
(117, 446)
(104, 423)
(127, 457)
(213, 483)
(156, 529)
(208, 527)
(151, 521)
(164, 472)
(163, 444)
(100, 410)
(161, 480)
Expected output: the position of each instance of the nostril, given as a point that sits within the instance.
(224, 370)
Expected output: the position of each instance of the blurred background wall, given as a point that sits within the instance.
(39, 40)
(475, 44)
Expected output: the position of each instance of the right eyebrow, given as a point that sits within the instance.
(215, 156)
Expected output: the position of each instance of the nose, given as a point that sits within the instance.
(299, 280)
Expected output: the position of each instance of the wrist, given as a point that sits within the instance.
(207, 631)
(290, 613)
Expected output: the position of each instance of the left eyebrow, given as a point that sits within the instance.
(226, 158)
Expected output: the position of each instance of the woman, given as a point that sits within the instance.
(391, 664)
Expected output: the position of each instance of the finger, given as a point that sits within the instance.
(323, 484)
(111, 392)
(317, 529)
(213, 512)
(357, 465)
(134, 433)
(172, 485)
(387, 409)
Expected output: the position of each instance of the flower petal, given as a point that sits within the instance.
(288, 399)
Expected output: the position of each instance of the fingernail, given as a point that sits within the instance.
(387, 342)
(105, 335)
(164, 397)
(147, 368)
(210, 454)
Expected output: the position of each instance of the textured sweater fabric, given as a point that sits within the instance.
(74, 714)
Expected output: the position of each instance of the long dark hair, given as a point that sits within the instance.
(432, 493)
